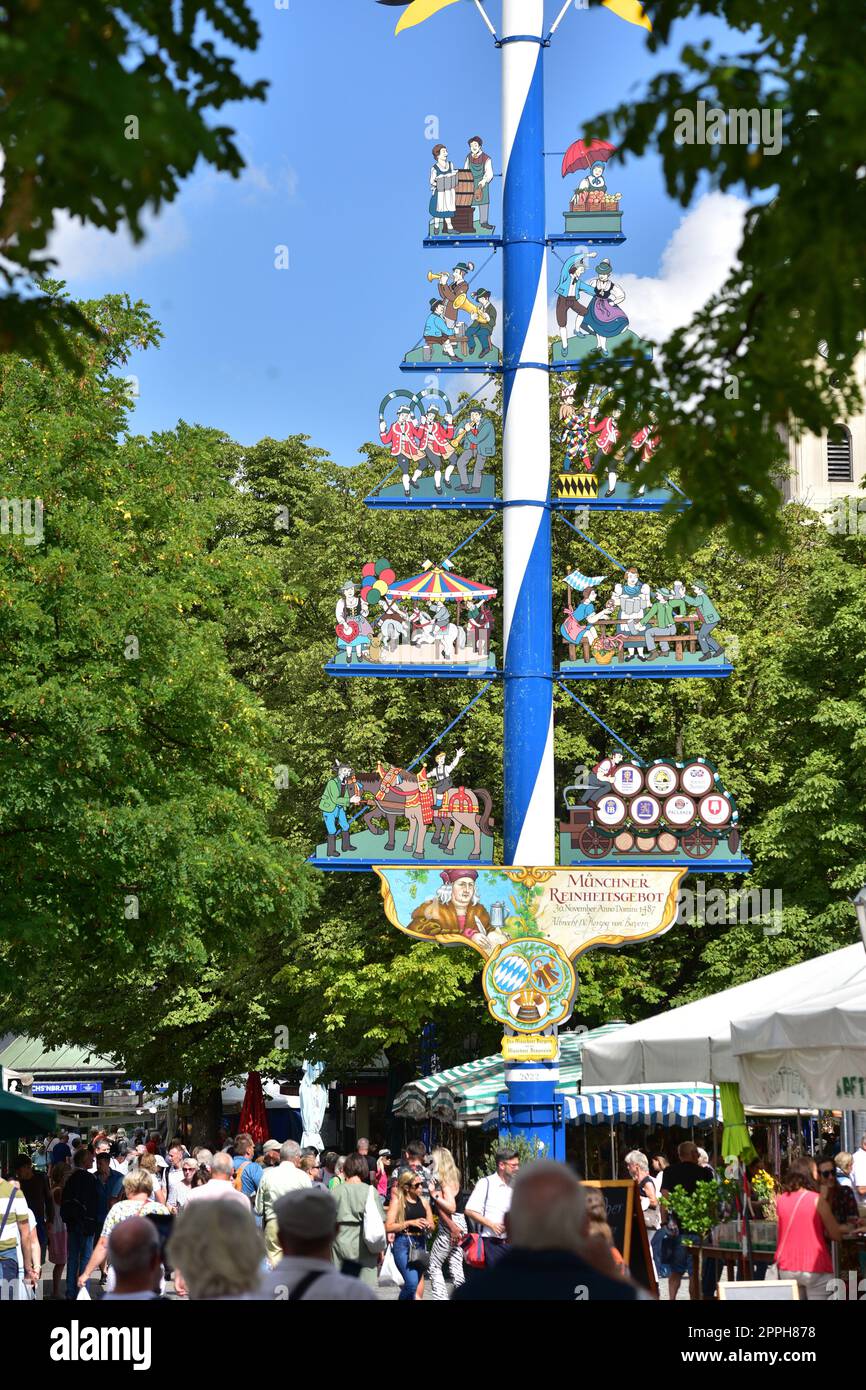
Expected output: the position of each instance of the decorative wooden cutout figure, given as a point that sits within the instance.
(436, 620)
(599, 321)
(600, 446)
(667, 812)
(458, 327)
(594, 210)
(443, 815)
(438, 457)
(460, 198)
(640, 630)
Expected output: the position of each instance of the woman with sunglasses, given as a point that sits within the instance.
(180, 1193)
(410, 1220)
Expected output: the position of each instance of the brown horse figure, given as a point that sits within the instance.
(396, 794)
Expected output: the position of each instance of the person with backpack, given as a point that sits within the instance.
(248, 1173)
(79, 1210)
(306, 1221)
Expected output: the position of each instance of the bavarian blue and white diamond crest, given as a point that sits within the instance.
(511, 974)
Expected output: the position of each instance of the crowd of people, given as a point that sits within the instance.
(149, 1220)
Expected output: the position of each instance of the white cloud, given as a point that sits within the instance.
(91, 253)
(694, 265)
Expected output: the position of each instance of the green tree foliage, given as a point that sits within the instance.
(102, 115)
(146, 900)
(780, 338)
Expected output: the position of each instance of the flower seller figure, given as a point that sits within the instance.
(352, 627)
(456, 912)
(341, 790)
(603, 316)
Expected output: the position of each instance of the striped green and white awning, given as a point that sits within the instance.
(467, 1095)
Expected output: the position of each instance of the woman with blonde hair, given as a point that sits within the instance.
(218, 1251)
(148, 1164)
(409, 1220)
(446, 1247)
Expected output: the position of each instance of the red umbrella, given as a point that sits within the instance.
(581, 155)
(254, 1116)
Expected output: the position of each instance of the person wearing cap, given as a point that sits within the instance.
(307, 1228)
(402, 437)
(604, 318)
(456, 912)
(659, 620)
(710, 619)
(453, 287)
(480, 329)
(438, 332)
(270, 1153)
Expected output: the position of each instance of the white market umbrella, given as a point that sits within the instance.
(314, 1103)
(807, 1054)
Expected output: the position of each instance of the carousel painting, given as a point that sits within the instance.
(602, 455)
(397, 815)
(435, 623)
(639, 629)
(594, 210)
(667, 813)
(458, 325)
(589, 311)
(439, 456)
(460, 194)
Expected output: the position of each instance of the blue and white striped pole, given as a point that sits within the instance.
(529, 1107)
(528, 594)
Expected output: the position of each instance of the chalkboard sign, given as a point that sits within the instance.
(626, 1221)
(767, 1290)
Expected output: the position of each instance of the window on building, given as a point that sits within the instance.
(839, 461)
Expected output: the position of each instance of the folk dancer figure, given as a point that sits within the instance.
(353, 629)
(443, 190)
(479, 445)
(630, 600)
(579, 624)
(576, 421)
(481, 166)
(604, 317)
(438, 331)
(341, 790)
(570, 284)
(644, 442)
(403, 438)
(660, 623)
(480, 329)
(435, 441)
(709, 620)
(605, 434)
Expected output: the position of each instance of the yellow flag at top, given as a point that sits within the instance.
(419, 10)
(632, 11)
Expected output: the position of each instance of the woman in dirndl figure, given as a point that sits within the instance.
(604, 317)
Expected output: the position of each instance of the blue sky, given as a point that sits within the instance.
(338, 171)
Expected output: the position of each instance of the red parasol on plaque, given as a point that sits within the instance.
(254, 1116)
(582, 154)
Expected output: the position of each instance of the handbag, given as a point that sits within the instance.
(388, 1272)
(474, 1253)
(373, 1227)
(418, 1257)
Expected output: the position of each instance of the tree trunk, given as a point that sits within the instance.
(205, 1113)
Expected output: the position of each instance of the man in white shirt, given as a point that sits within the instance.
(221, 1186)
(307, 1228)
(490, 1199)
(275, 1183)
(858, 1170)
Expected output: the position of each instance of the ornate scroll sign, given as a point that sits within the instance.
(433, 623)
(530, 925)
(396, 814)
(665, 812)
(459, 324)
(438, 456)
(638, 628)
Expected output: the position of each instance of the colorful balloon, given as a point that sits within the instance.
(380, 587)
(388, 575)
(373, 598)
(380, 566)
(365, 589)
(369, 570)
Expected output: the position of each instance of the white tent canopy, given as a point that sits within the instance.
(811, 1053)
(694, 1041)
